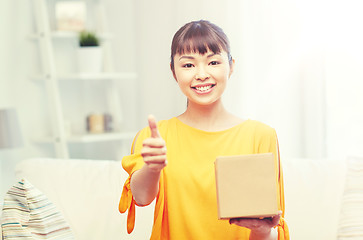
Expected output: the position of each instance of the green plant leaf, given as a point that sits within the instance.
(88, 39)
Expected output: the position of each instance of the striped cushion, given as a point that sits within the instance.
(28, 214)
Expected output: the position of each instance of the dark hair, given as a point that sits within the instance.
(199, 37)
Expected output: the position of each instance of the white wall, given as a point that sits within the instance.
(15, 88)
(299, 69)
(303, 66)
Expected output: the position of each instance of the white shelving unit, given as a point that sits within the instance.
(53, 79)
(89, 76)
(88, 138)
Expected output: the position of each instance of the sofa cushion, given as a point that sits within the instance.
(313, 195)
(351, 217)
(87, 193)
(28, 214)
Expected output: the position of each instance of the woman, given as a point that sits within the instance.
(173, 160)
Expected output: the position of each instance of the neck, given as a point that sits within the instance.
(213, 117)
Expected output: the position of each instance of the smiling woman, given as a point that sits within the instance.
(173, 160)
(201, 62)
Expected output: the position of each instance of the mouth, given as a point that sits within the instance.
(204, 88)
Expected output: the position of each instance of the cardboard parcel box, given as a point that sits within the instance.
(246, 186)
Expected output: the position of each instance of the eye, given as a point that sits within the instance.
(188, 65)
(213, 63)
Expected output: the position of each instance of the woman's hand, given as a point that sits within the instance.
(260, 228)
(145, 181)
(154, 148)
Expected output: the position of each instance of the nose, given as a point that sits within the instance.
(201, 73)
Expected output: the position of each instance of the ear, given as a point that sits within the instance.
(231, 68)
(173, 71)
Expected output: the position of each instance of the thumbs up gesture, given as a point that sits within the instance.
(154, 148)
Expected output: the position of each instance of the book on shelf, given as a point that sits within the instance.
(70, 15)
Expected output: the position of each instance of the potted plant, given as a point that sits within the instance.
(89, 53)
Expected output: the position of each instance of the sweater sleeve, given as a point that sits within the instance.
(269, 143)
(283, 230)
(132, 163)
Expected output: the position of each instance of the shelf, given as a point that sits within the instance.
(99, 76)
(91, 76)
(100, 137)
(68, 35)
(58, 63)
(93, 137)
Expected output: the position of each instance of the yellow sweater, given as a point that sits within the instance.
(186, 205)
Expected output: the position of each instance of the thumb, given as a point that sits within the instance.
(153, 127)
(276, 218)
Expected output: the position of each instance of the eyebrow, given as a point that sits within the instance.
(190, 57)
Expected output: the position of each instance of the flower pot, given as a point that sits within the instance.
(90, 59)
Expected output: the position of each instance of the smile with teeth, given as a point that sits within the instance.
(204, 88)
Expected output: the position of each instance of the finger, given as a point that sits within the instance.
(232, 221)
(157, 166)
(145, 152)
(153, 127)
(155, 160)
(154, 143)
(245, 222)
(276, 219)
(239, 220)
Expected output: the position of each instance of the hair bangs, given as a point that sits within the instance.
(199, 44)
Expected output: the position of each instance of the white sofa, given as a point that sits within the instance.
(87, 193)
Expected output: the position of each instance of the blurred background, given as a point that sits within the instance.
(299, 68)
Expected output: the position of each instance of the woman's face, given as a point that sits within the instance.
(202, 78)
